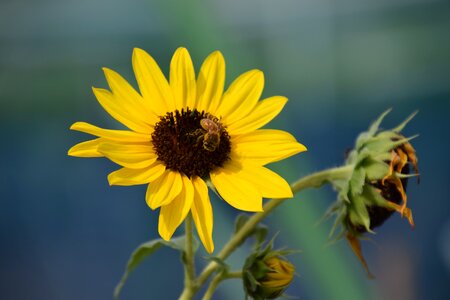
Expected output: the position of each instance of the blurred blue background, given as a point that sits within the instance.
(65, 234)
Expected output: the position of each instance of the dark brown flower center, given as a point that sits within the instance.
(191, 142)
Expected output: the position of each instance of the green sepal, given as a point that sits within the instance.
(376, 125)
(336, 237)
(358, 213)
(331, 210)
(365, 136)
(387, 135)
(362, 155)
(342, 186)
(400, 175)
(357, 181)
(405, 122)
(382, 143)
(338, 221)
(373, 197)
(386, 141)
(352, 157)
(259, 269)
(145, 250)
(384, 156)
(251, 280)
(375, 169)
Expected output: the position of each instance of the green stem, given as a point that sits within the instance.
(189, 265)
(217, 280)
(314, 180)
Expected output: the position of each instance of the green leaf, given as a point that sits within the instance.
(240, 221)
(145, 250)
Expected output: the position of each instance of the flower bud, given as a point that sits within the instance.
(277, 279)
(267, 274)
(376, 186)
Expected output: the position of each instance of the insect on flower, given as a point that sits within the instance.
(213, 128)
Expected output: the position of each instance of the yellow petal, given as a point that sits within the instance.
(86, 149)
(265, 146)
(116, 135)
(182, 79)
(235, 189)
(171, 215)
(210, 82)
(117, 110)
(202, 213)
(128, 155)
(263, 113)
(269, 183)
(127, 176)
(129, 98)
(241, 97)
(163, 190)
(152, 83)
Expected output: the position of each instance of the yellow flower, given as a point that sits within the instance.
(187, 132)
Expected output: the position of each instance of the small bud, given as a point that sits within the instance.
(376, 186)
(267, 274)
(277, 279)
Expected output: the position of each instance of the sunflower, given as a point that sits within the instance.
(185, 134)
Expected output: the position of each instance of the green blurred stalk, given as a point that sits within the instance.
(330, 274)
(193, 26)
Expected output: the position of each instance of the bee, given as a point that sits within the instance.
(213, 129)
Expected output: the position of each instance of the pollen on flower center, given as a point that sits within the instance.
(192, 142)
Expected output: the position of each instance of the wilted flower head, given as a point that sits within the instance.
(376, 186)
(267, 273)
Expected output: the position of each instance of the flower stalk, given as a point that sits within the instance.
(188, 260)
(217, 280)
